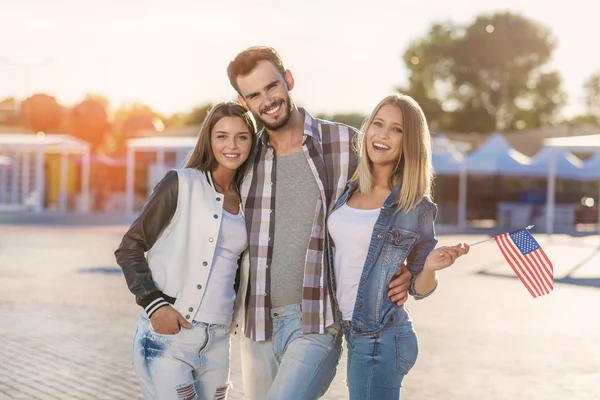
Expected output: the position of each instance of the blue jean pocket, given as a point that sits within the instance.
(407, 350)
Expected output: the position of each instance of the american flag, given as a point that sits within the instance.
(528, 260)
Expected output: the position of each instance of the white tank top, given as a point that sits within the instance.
(217, 305)
(351, 230)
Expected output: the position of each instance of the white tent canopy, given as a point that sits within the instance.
(567, 164)
(53, 143)
(4, 160)
(158, 145)
(591, 168)
(589, 144)
(19, 147)
(497, 157)
(447, 160)
(586, 143)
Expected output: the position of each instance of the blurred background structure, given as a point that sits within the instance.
(91, 123)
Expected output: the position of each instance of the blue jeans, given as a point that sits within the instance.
(378, 362)
(291, 366)
(192, 364)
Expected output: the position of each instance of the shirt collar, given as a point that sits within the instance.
(311, 129)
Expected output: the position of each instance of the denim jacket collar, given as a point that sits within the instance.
(390, 202)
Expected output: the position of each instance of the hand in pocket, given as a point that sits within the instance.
(167, 320)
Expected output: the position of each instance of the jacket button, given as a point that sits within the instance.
(205, 263)
(199, 286)
(357, 329)
(235, 333)
(218, 199)
(211, 240)
(215, 216)
(370, 259)
(187, 316)
(359, 304)
(362, 281)
(380, 236)
(190, 309)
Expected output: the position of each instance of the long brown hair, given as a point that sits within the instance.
(414, 165)
(202, 157)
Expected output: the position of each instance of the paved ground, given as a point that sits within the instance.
(66, 320)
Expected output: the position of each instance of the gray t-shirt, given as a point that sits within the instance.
(296, 195)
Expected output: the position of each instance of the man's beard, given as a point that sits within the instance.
(286, 116)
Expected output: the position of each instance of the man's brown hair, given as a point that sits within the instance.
(247, 60)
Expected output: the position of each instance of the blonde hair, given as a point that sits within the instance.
(202, 157)
(414, 164)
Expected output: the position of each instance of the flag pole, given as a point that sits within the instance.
(492, 238)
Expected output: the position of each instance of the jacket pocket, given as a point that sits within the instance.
(407, 350)
(397, 246)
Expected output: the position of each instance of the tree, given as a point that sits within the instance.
(177, 120)
(88, 121)
(130, 119)
(194, 117)
(41, 112)
(100, 99)
(591, 100)
(591, 89)
(351, 119)
(487, 76)
(545, 100)
(429, 60)
(9, 111)
(198, 114)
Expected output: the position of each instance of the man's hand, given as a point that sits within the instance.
(398, 288)
(167, 320)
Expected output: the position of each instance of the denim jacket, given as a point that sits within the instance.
(396, 237)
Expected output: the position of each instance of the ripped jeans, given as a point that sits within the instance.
(192, 364)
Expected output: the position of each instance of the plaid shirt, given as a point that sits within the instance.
(328, 150)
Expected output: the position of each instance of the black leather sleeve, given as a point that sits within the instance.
(141, 236)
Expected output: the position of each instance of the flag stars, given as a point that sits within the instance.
(524, 241)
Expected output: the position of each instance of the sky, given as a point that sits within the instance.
(172, 55)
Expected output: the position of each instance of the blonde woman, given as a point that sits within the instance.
(193, 231)
(385, 218)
